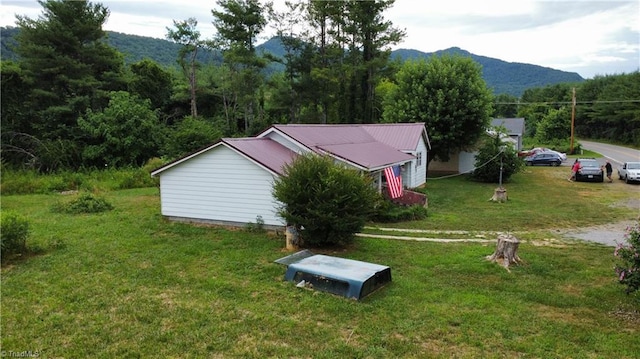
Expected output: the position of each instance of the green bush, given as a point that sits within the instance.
(493, 155)
(328, 201)
(628, 271)
(136, 178)
(388, 212)
(84, 203)
(13, 233)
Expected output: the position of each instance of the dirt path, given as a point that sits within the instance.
(610, 235)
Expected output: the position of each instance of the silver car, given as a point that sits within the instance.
(590, 170)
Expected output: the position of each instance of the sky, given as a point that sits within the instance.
(584, 36)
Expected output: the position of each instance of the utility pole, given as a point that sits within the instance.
(573, 117)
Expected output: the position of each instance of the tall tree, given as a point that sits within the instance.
(285, 88)
(371, 37)
(449, 95)
(187, 35)
(150, 81)
(70, 67)
(239, 22)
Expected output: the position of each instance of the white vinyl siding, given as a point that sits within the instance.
(419, 171)
(220, 186)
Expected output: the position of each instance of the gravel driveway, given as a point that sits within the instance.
(610, 234)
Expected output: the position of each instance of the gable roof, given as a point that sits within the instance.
(267, 153)
(368, 147)
(264, 151)
(402, 136)
(514, 126)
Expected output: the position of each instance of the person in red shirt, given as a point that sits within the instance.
(574, 169)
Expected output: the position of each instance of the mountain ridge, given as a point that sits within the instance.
(502, 77)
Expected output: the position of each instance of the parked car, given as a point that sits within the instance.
(543, 158)
(590, 170)
(561, 154)
(629, 172)
(536, 150)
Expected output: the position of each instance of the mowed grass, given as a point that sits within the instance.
(539, 198)
(128, 284)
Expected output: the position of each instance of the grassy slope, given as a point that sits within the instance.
(129, 284)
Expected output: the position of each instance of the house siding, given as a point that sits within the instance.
(219, 186)
(419, 173)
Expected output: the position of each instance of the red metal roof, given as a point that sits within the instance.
(369, 146)
(265, 151)
(402, 136)
(369, 155)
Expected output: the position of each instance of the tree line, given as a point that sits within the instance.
(69, 101)
(606, 107)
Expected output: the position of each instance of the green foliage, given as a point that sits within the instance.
(25, 182)
(83, 203)
(70, 70)
(187, 35)
(126, 133)
(388, 212)
(151, 82)
(153, 164)
(612, 110)
(449, 95)
(14, 232)
(189, 135)
(493, 156)
(31, 182)
(257, 227)
(329, 202)
(554, 125)
(135, 178)
(628, 270)
(505, 106)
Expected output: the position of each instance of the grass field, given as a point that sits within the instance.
(128, 284)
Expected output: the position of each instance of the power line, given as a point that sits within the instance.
(567, 102)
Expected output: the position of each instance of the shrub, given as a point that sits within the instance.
(492, 155)
(328, 201)
(14, 231)
(84, 203)
(257, 227)
(389, 212)
(628, 271)
(136, 178)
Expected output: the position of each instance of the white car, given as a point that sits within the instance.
(561, 154)
(629, 172)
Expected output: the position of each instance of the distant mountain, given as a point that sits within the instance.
(511, 78)
(501, 76)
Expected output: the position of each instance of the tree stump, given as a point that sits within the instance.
(292, 238)
(499, 195)
(506, 252)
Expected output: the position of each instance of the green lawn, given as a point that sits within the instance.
(128, 284)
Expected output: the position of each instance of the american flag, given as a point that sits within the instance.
(394, 181)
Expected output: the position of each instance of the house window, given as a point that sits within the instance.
(418, 159)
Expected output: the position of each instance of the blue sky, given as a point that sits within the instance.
(584, 36)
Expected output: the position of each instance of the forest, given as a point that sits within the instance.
(71, 100)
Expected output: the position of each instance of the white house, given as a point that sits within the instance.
(230, 182)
